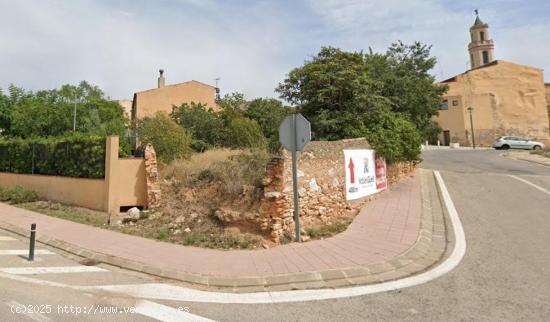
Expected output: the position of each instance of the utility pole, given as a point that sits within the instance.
(74, 114)
(471, 109)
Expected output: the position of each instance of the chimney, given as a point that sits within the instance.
(161, 78)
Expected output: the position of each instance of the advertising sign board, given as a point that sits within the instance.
(364, 174)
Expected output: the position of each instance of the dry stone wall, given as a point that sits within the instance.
(152, 177)
(321, 190)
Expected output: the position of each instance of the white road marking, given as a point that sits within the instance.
(165, 313)
(531, 184)
(6, 238)
(51, 270)
(17, 308)
(171, 292)
(24, 252)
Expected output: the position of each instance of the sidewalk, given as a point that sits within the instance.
(392, 236)
(524, 155)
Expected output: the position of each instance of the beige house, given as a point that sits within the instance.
(164, 97)
(503, 98)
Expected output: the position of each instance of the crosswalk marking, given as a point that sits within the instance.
(51, 270)
(6, 238)
(165, 313)
(24, 252)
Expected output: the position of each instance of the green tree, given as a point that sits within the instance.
(205, 125)
(403, 76)
(243, 132)
(332, 90)
(170, 140)
(50, 113)
(268, 113)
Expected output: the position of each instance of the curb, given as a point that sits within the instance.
(505, 155)
(427, 251)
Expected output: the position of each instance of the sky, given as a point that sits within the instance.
(249, 45)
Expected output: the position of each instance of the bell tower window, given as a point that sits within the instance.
(481, 36)
(485, 57)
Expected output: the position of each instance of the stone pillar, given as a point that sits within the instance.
(111, 157)
(152, 176)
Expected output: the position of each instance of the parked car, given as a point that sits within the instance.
(514, 142)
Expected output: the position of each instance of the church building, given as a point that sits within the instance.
(493, 98)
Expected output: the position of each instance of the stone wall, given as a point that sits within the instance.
(321, 175)
(152, 177)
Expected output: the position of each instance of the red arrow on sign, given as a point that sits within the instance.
(351, 167)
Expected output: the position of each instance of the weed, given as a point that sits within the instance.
(163, 234)
(17, 195)
(327, 231)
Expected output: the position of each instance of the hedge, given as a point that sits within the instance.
(77, 155)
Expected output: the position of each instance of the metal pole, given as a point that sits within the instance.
(74, 114)
(472, 127)
(295, 180)
(33, 239)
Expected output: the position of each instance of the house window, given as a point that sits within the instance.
(455, 102)
(485, 57)
(444, 105)
(482, 36)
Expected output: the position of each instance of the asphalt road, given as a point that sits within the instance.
(504, 276)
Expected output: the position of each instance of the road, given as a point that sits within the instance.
(504, 206)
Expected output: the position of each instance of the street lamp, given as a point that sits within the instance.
(471, 109)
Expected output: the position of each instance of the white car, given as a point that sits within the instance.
(514, 142)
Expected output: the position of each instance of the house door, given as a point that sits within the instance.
(446, 138)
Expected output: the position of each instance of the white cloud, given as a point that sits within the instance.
(251, 45)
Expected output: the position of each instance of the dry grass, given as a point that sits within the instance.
(183, 170)
(233, 170)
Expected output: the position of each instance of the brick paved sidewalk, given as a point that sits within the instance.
(385, 228)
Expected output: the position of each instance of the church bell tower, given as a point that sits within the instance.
(481, 45)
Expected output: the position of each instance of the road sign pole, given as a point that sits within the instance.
(295, 180)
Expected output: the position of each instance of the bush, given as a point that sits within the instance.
(245, 133)
(200, 145)
(169, 139)
(205, 125)
(394, 137)
(17, 195)
(74, 155)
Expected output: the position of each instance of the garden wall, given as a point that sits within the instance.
(125, 184)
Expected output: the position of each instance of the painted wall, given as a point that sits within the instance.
(508, 99)
(124, 184)
(87, 193)
(162, 99)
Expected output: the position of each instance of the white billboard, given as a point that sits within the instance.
(364, 174)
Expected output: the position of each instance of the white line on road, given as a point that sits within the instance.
(6, 238)
(51, 270)
(24, 252)
(531, 184)
(18, 308)
(172, 292)
(165, 313)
